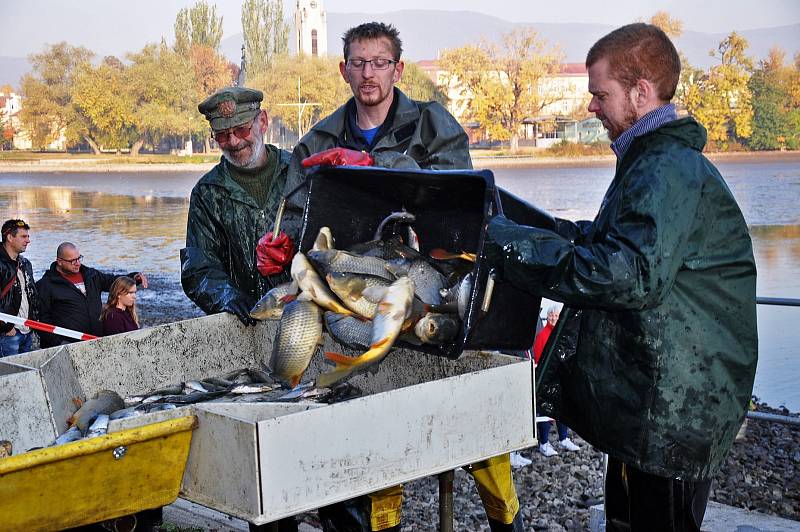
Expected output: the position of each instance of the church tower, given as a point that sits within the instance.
(311, 28)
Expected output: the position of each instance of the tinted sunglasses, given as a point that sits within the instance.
(241, 132)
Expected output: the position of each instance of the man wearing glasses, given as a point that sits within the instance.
(224, 268)
(17, 290)
(381, 126)
(69, 293)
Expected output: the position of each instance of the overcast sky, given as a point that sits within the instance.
(117, 26)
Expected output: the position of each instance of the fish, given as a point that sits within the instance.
(259, 375)
(299, 334)
(437, 329)
(250, 388)
(335, 260)
(355, 291)
(103, 402)
(459, 294)
(270, 307)
(349, 330)
(193, 386)
(324, 239)
(442, 254)
(394, 218)
(125, 413)
(192, 398)
(393, 311)
(73, 434)
(387, 249)
(427, 279)
(312, 285)
(98, 427)
(216, 383)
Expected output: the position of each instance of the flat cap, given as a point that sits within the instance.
(231, 106)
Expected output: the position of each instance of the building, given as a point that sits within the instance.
(311, 28)
(558, 120)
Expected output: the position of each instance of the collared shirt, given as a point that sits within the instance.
(652, 120)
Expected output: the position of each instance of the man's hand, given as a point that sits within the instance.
(272, 256)
(339, 157)
(141, 279)
(241, 309)
(12, 332)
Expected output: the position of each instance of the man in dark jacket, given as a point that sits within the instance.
(70, 294)
(230, 261)
(17, 289)
(380, 126)
(653, 362)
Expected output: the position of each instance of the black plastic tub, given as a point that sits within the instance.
(452, 209)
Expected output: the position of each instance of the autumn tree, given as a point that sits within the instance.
(100, 94)
(673, 27)
(197, 26)
(266, 34)
(776, 110)
(720, 99)
(416, 84)
(47, 110)
(160, 81)
(502, 84)
(301, 90)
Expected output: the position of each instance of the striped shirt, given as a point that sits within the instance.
(649, 122)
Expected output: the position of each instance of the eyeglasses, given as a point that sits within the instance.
(241, 132)
(377, 64)
(74, 261)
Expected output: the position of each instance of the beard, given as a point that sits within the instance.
(615, 129)
(256, 143)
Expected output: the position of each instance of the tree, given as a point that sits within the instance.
(47, 109)
(266, 34)
(416, 84)
(720, 99)
(673, 27)
(197, 26)
(321, 89)
(160, 81)
(100, 95)
(504, 84)
(776, 114)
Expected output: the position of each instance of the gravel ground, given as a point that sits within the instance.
(761, 473)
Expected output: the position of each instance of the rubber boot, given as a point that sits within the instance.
(514, 526)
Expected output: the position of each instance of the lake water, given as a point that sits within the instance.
(137, 221)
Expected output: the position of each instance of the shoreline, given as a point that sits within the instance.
(480, 161)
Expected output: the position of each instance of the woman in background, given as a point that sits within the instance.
(119, 312)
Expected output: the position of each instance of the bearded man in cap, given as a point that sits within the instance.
(231, 258)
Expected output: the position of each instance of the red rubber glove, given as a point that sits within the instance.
(272, 256)
(339, 157)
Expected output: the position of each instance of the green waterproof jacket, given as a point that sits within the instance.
(654, 357)
(218, 263)
(415, 135)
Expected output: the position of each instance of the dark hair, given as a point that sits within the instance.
(639, 51)
(120, 285)
(10, 227)
(373, 30)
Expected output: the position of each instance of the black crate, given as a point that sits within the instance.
(452, 209)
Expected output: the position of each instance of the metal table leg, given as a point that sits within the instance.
(446, 501)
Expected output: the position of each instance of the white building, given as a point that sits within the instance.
(10, 106)
(311, 28)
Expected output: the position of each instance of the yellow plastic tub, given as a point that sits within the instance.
(92, 480)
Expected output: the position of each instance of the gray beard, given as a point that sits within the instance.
(258, 150)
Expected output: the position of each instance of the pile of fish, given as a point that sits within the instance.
(367, 297)
(242, 385)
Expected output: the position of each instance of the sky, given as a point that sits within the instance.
(117, 26)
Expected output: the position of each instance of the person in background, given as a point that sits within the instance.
(18, 295)
(119, 312)
(70, 294)
(656, 349)
(231, 260)
(543, 427)
(381, 126)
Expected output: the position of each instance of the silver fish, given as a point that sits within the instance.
(355, 291)
(393, 311)
(313, 286)
(334, 260)
(437, 329)
(194, 386)
(427, 279)
(250, 388)
(299, 333)
(324, 239)
(394, 218)
(459, 294)
(73, 434)
(270, 307)
(349, 330)
(98, 427)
